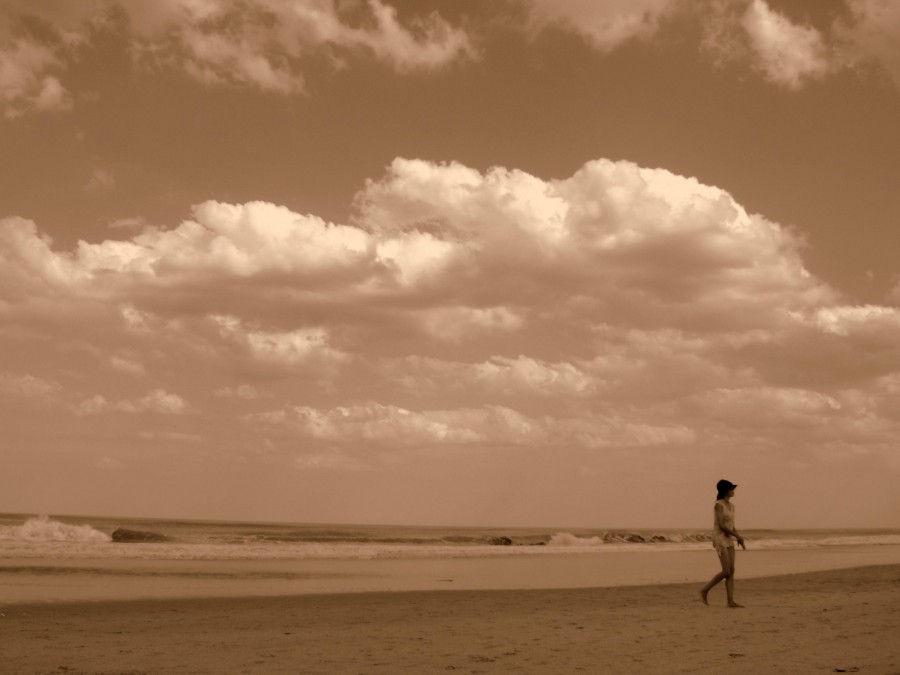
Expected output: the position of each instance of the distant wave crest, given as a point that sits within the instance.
(567, 539)
(43, 528)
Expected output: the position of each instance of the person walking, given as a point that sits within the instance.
(723, 539)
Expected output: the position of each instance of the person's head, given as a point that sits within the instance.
(724, 488)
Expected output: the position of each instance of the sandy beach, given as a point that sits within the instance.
(819, 622)
(363, 337)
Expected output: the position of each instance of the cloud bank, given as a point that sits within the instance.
(265, 45)
(621, 309)
(271, 46)
(786, 52)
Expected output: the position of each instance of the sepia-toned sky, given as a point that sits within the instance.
(518, 262)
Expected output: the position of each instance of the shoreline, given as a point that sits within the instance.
(887, 569)
(35, 580)
(807, 622)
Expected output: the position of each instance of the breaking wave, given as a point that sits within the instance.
(43, 536)
(692, 540)
(606, 538)
(43, 528)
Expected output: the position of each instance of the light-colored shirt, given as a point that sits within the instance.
(720, 538)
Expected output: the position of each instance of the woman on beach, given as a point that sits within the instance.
(724, 536)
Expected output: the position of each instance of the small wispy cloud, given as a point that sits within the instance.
(27, 386)
(101, 180)
(869, 36)
(245, 392)
(156, 401)
(29, 78)
(786, 53)
(331, 460)
(606, 25)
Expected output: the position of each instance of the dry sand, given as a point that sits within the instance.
(821, 622)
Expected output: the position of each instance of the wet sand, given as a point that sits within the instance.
(819, 622)
(33, 580)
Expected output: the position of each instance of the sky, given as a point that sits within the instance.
(519, 262)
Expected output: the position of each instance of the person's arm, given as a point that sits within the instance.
(720, 519)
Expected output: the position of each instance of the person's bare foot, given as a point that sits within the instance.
(734, 605)
(703, 594)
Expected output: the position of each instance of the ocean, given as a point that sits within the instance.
(49, 558)
(74, 537)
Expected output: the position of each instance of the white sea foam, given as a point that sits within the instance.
(566, 539)
(614, 541)
(39, 537)
(42, 529)
(863, 540)
(626, 541)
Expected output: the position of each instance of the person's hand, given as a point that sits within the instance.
(741, 542)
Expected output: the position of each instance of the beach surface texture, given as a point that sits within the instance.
(829, 621)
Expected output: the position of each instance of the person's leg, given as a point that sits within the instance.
(726, 563)
(729, 579)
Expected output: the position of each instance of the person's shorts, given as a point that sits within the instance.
(722, 543)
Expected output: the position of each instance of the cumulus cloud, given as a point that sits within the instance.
(305, 348)
(615, 244)
(616, 238)
(842, 320)
(238, 240)
(620, 307)
(527, 374)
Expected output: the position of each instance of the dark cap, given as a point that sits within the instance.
(724, 486)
